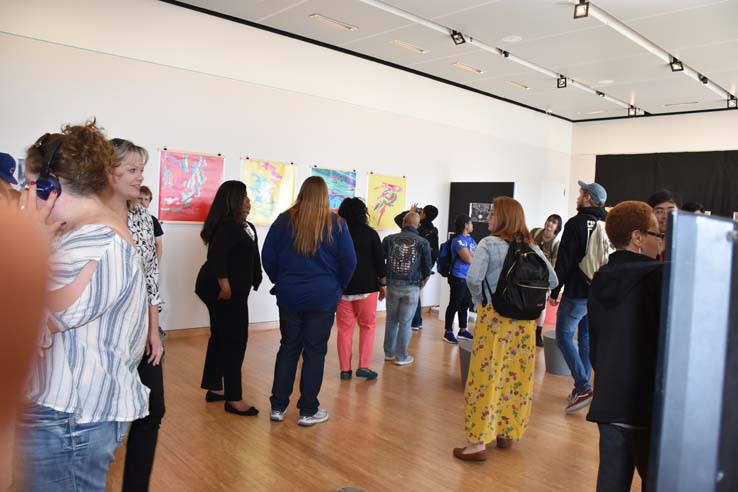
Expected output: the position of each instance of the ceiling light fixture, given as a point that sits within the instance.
(605, 81)
(732, 103)
(411, 47)
(505, 54)
(512, 39)
(581, 9)
(561, 82)
(686, 103)
(333, 22)
(518, 85)
(676, 65)
(469, 68)
(600, 93)
(657, 51)
(632, 111)
(458, 38)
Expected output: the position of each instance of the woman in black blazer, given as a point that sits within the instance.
(232, 268)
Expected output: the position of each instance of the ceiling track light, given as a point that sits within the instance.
(505, 54)
(732, 103)
(649, 46)
(632, 111)
(581, 9)
(333, 22)
(561, 82)
(600, 93)
(458, 38)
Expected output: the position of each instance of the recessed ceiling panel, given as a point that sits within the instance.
(384, 46)
(628, 10)
(368, 20)
(252, 10)
(693, 27)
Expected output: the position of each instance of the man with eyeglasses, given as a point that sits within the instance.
(663, 203)
(572, 314)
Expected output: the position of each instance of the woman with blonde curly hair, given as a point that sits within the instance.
(85, 390)
(499, 386)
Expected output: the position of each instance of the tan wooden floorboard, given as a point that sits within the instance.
(392, 434)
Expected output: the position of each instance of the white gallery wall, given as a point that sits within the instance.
(163, 76)
(697, 132)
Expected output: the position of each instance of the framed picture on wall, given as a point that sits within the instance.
(187, 185)
(479, 212)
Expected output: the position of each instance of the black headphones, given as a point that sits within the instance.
(47, 182)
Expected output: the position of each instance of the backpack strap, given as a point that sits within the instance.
(485, 284)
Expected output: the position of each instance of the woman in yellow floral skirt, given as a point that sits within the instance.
(499, 386)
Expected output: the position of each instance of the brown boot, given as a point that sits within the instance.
(504, 442)
(539, 338)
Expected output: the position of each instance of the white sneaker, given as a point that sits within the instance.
(405, 362)
(307, 420)
(389, 357)
(277, 416)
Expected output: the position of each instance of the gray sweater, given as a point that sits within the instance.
(488, 260)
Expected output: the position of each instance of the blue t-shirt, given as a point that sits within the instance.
(460, 268)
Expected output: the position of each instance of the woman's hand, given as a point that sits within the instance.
(224, 295)
(31, 211)
(382, 293)
(154, 348)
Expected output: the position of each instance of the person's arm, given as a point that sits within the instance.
(477, 272)
(257, 275)
(154, 348)
(346, 254)
(433, 240)
(158, 233)
(400, 217)
(379, 265)
(465, 255)
(271, 249)
(225, 238)
(553, 280)
(593, 336)
(425, 265)
(159, 248)
(568, 257)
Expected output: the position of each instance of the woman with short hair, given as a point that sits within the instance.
(309, 256)
(231, 270)
(624, 307)
(499, 387)
(461, 253)
(85, 390)
(546, 239)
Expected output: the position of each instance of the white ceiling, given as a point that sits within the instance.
(702, 33)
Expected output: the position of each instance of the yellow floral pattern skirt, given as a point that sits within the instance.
(499, 387)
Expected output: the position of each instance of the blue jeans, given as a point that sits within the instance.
(417, 319)
(61, 455)
(573, 312)
(402, 301)
(303, 333)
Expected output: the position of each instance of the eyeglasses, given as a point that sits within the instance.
(659, 235)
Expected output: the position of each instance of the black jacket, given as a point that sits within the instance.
(623, 310)
(427, 231)
(369, 261)
(572, 248)
(232, 254)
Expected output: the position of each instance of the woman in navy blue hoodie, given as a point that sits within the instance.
(309, 256)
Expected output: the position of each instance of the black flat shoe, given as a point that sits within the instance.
(251, 412)
(211, 397)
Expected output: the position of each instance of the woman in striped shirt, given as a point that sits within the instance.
(85, 389)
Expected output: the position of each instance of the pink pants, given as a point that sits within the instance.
(348, 313)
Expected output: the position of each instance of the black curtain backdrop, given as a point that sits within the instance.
(463, 194)
(710, 178)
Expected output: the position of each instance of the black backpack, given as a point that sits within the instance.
(523, 283)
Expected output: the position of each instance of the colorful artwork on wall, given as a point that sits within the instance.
(187, 185)
(341, 184)
(385, 199)
(271, 188)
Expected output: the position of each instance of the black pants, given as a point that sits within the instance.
(144, 433)
(229, 332)
(621, 451)
(303, 333)
(458, 302)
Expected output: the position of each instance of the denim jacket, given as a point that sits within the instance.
(408, 257)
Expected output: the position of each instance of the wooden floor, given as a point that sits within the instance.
(392, 434)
